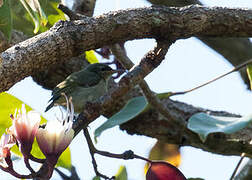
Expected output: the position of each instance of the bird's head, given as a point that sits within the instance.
(102, 69)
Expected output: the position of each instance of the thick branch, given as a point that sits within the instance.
(68, 39)
(151, 123)
(235, 50)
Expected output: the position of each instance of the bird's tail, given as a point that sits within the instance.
(49, 106)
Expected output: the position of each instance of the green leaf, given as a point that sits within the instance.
(6, 19)
(8, 106)
(33, 14)
(65, 159)
(204, 124)
(21, 19)
(35, 6)
(45, 15)
(249, 72)
(121, 174)
(133, 107)
(54, 14)
(90, 57)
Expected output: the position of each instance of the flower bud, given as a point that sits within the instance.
(24, 128)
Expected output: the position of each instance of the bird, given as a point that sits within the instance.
(86, 85)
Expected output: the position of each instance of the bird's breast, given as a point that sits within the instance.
(82, 95)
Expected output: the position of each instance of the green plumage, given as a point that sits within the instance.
(84, 86)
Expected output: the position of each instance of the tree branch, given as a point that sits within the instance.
(235, 50)
(153, 124)
(51, 47)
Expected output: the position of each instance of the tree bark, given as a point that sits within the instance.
(51, 47)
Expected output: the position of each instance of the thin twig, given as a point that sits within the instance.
(27, 164)
(31, 157)
(126, 155)
(237, 166)
(92, 151)
(11, 171)
(241, 159)
(219, 77)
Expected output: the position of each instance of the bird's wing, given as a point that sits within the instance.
(82, 79)
(86, 79)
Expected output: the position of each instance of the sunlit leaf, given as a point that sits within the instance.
(54, 14)
(34, 15)
(65, 159)
(8, 105)
(133, 107)
(47, 15)
(121, 174)
(163, 171)
(166, 152)
(90, 57)
(204, 124)
(6, 19)
(35, 6)
(249, 72)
